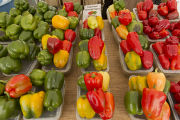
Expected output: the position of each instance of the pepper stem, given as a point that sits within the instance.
(3, 81)
(83, 96)
(156, 70)
(7, 94)
(93, 75)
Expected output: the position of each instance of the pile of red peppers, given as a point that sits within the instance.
(175, 29)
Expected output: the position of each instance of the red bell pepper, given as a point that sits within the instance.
(113, 14)
(172, 26)
(54, 45)
(176, 32)
(153, 21)
(95, 47)
(177, 108)
(175, 88)
(162, 9)
(66, 45)
(70, 35)
(172, 5)
(134, 43)
(171, 50)
(158, 47)
(154, 35)
(147, 59)
(73, 13)
(164, 33)
(147, 29)
(125, 17)
(178, 25)
(152, 102)
(152, 13)
(163, 24)
(165, 112)
(173, 40)
(178, 83)
(124, 46)
(147, 5)
(164, 61)
(85, 24)
(97, 32)
(145, 23)
(18, 85)
(96, 100)
(177, 97)
(93, 80)
(175, 63)
(69, 6)
(173, 15)
(142, 15)
(109, 106)
(139, 6)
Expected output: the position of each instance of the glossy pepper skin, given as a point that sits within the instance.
(42, 7)
(37, 77)
(165, 112)
(21, 4)
(61, 58)
(28, 22)
(33, 51)
(54, 45)
(101, 63)
(53, 80)
(66, 45)
(147, 29)
(73, 22)
(158, 47)
(5, 19)
(152, 102)
(106, 80)
(13, 31)
(18, 85)
(44, 57)
(26, 36)
(97, 32)
(124, 46)
(45, 39)
(32, 104)
(3, 51)
(175, 63)
(100, 22)
(60, 22)
(83, 59)
(85, 33)
(115, 22)
(147, 5)
(171, 50)
(122, 31)
(142, 15)
(132, 102)
(52, 99)
(92, 22)
(58, 33)
(153, 21)
(84, 108)
(147, 59)
(69, 6)
(125, 17)
(70, 35)
(164, 61)
(163, 9)
(49, 15)
(172, 5)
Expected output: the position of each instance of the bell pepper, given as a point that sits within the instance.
(83, 59)
(33, 51)
(49, 15)
(78, 7)
(69, 6)
(39, 16)
(124, 46)
(158, 47)
(172, 5)
(171, 50)
(135, 26)
(122, 31)
(133, 61)
(44, 57)
(42, 7)
(119, 5)
(167, 87)
(177, 108)
(139, 6)
(53, 99)
(163, 9)
(28, 22)
(66, 45)
(156, 80)
(172, 40)
(138, 83)
(147, 29)
(73, 14)
(153, 21)
(92, 22)
(133, 42)
(111, 8)
(144, 41)
(85, 33)
(73, 22)
(172, 26)
(142, 15)
(175, 63)
(18, 49)
(164, 61)
(95, 46)
(100, 22)
(81, 83)
(61, 58)
(125, 17)
(177, 97)
(26, 36)
(9, 65)
(106, 80)
(58, 33)
(163, 24)
(147, 59)
(70, 35)
(132, 102)
(37, 77)
(85, 24)
(14, 12)
(176, 32)
(32, 10)
(3, 51)
(5, 19)
(115, 22)
(17, 20)
(101, 63)
(164, 33)
(13, 31)
(18, 85)
(21, 4)
(154, 35)
(177, 26)
(152, 102)
(97, 32)
(145, 23)
(32, 104)
(45, 39)
(60, 22)
(54, 45)
(175, 88)
(8, 107)
(165, 112)
(83, 45)
(84, 108)
(113, 14)
(147, 5)
(62, 12)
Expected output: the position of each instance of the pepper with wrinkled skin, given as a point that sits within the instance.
(70, 35)
(122, 31)
(42, 7)
(37, 77)
(49, 15)
(83, 59)
(13, 31)
(115, 22)
(176, 32)
(142, 15)
(61, 58)
(85, 33)
(83, 45)
(3, 51)
(14, 12)
(58, 33)
(100, 22)
(44, 57)
(60, 22)
(78, 7)
(33, 51)
(5, 19)
(21, 4)
(73, 22)
(28, 22)
(101, 63)
(26, 36)
(62, 12)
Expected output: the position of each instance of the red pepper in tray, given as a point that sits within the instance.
(153, 21)
(172, 5)
(125, 17)
(69, 6)
(145, 23)
(172, 26)
(163, 24)
(134, 43)
(66, 45)
(170, 50)
(124, 46)
(147, 59)
(139, 6)
(173, 15)
(177, 97)
(54, 45)
(164, 61)
(70, 35)
(73, 13)
(162, 9)
(175, 88)
(152, 13)
(85, 24)
(175, 63)
(147, 5)
(142, 15)
(158, 47)
(177, 108)
(172, 40)
(164, 33)
(178, 25)
(97, 32)
(147, 29)
(154, 35)
(176, 32)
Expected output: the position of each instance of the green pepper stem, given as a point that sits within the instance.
(156, 70)
(7, 94)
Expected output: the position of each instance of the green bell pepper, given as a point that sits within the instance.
(81, 83)
(83, 45)
(119, 4)
(51, 8)
(132, 102)
(5, 19)
(28, 22)
(22, 5)
(4, 38)
(167, 87)
(17, 20)
(26, 13)
(45, 58)
(9, 65)
(54, 80)
(62, 12)
(13, 31)
(26, 36)
(77, 7)
(53, 99)
(73, 22)
(3, 51)
(14, 12)
(39, 16)
(144, 41)
(33, 51)
(42, 7)
(49, 15)
(18, 49)
(135, 26)
(115, 22)
(2, 88)
(32, 10)
(8, 107)
(83, 59)
(58, 33)
(85, 33)
(37, 77)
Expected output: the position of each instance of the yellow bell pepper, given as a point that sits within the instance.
(45, 39)
(100, 22)
(101, 63)
(84, 108)
(92, 22)
(61, 58)
(103, 50)
(106, 79)
(122, 31)
(32, 104)
(111, 8)
(60, 22)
